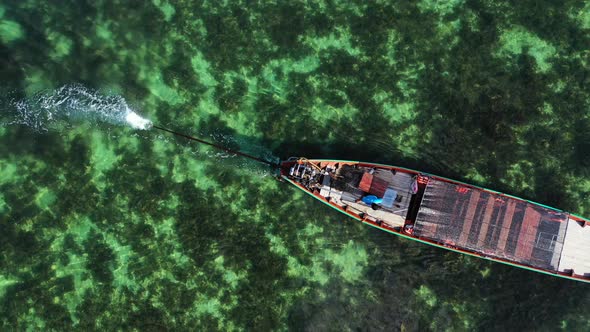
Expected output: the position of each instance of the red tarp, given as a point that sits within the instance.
(373, 185)
(366, 181)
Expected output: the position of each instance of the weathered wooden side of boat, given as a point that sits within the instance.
(286, 166)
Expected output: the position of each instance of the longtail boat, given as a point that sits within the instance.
(443, 213)
(449, 214)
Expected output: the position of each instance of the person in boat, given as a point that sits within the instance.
(372, 201)
(409, 229)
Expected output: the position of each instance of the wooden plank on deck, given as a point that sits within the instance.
(506, 224)
(472, 207)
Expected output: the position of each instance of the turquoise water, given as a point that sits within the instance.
(107, 227)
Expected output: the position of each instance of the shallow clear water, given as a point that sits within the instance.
(107, 227)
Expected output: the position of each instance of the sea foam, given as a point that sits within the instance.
(70, 104)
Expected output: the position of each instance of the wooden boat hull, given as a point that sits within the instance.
(534, 214)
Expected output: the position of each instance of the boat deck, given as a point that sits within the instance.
(392, 219)
(345, 184)
(575, 257)
(492, 224)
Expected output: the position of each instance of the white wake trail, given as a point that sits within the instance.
(75, 103)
